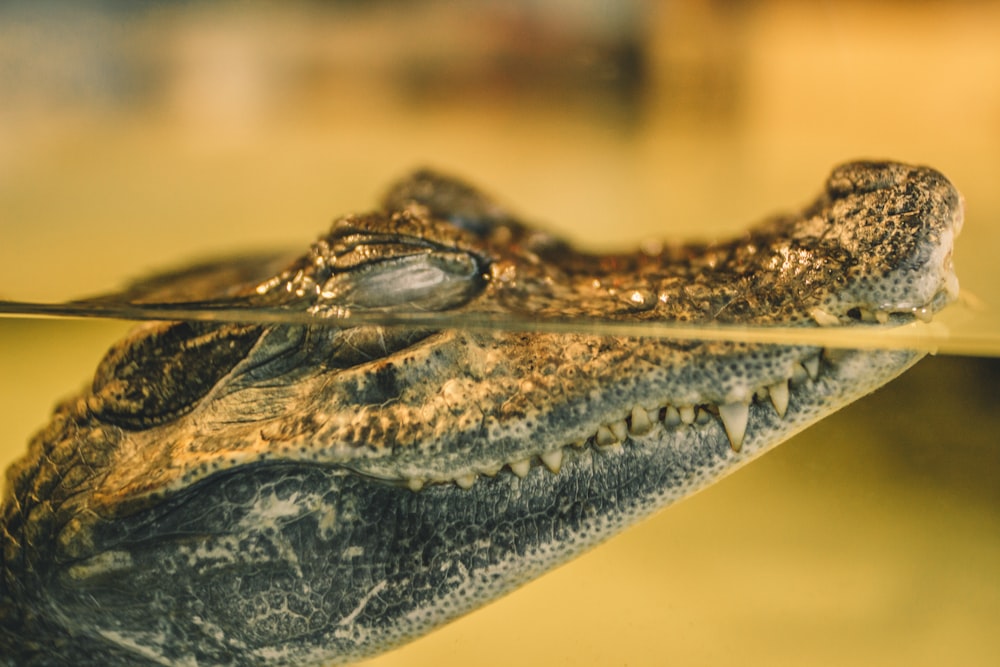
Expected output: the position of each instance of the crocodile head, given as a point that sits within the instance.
(276, 494)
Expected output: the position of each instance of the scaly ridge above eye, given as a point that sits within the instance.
(449, 199)
(403, 259)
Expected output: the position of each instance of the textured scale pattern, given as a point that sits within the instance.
(265, 494)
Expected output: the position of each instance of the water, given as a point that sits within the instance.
(935, 337)
(870, 539)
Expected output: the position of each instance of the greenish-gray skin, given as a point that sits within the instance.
(267, 494)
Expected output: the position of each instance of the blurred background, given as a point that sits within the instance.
(139, 135)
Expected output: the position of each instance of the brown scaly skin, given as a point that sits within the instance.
(276, 494)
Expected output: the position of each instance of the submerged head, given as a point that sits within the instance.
(421, 407)
(321, 493)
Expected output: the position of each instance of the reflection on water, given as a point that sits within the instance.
(134, 139)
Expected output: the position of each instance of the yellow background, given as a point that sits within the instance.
(872, 539)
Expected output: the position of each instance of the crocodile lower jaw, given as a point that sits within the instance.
(642, 421)
(668, 416)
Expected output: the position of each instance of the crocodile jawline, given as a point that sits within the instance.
(276, 494)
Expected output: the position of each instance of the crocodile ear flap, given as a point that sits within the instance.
(450, 199)
(163, 370)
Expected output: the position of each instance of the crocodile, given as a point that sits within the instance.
(263, 493)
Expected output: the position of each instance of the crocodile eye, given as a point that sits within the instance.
(397, 277)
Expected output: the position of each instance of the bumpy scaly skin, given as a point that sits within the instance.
(265, 494)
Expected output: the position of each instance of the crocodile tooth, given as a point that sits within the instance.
(760, 394)
(779, 396)
(415, 484)
(580, 444)
(604, 437)
(734, 418)
(881, 316)
(823, 318)
(923, 314)
(812, 366)
(552, 460)
(466, 481)
(799, 374)
(520, 468)
(687, 413)
(640, 423)
(490, 471)
(620, 429)
(671, 417)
